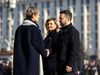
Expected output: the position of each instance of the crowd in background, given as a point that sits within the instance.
(5, 67)
(91, 67)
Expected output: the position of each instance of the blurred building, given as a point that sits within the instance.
(86, 19)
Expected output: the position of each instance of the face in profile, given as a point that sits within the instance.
(63, 19)
(36, 17)
(51, 25)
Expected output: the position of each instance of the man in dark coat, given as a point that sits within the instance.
(28, 45)
(68, 46)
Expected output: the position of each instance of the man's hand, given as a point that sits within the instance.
(48, 52)
(68, 69)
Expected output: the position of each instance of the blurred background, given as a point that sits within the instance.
(86, 18)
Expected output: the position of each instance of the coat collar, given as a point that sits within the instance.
(67, 26)
(28, 23)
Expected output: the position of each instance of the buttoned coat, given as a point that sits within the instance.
(28, 46)
(68, 48)
(50, 63)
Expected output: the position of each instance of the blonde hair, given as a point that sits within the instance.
(55, 21)
(31, 11)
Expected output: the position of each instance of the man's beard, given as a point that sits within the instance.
(61, 24)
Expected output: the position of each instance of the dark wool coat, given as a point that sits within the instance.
(28, 46)
(50, 62)
(68, 48)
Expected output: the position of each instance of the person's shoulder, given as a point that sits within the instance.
(73, 30)
(18, 28)
(34, 28)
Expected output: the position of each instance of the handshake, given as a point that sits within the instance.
(48, 52)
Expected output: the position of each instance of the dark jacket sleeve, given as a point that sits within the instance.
(37, 41)
(75, 49)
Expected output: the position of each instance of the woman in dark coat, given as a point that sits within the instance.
(28, 45)
(50, 62)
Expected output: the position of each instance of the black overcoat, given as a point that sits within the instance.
(28, 46)
(68, 48)
(50, 63)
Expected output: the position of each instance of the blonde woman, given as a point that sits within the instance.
(49, 63)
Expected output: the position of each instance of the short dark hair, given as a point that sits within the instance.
(67, 13)
(31, 11)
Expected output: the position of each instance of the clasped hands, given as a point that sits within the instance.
(48, 52)
(68, 69)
